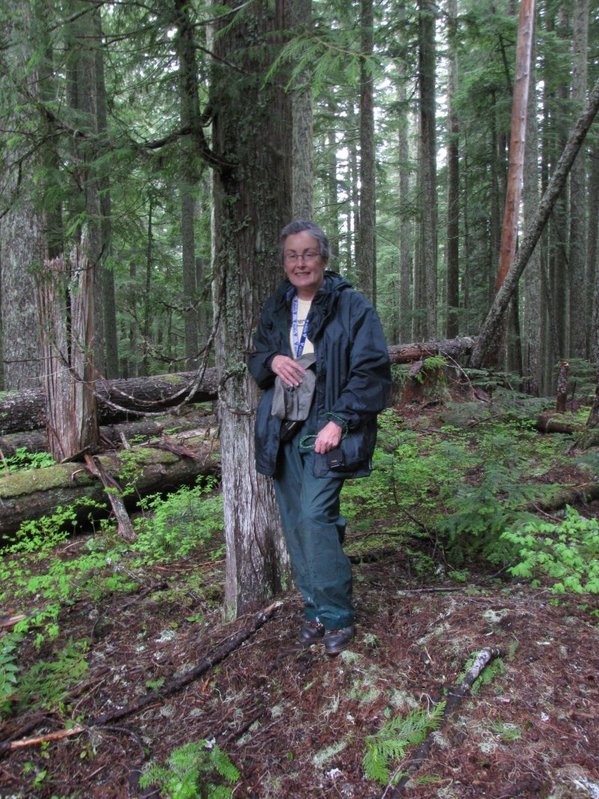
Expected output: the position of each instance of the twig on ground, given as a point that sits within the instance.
(230, 644)
(454, 698)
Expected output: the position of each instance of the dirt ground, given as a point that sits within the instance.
(296, 722)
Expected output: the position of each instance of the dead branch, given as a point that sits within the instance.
(455, 695)
(114, 492)
(228, 646)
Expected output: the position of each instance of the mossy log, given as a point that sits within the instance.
(33, 493)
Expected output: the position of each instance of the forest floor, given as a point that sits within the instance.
(297, 723)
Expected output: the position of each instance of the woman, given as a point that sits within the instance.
(313, 431)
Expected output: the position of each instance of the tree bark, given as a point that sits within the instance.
(533, 232)
(578, 285)
(252, 191)
(366, 238)
(302, 165)
(30, 494)
(426, 274)
(453, 180)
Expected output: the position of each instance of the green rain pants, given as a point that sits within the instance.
(313, 529)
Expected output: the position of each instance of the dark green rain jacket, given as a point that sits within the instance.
(353, 374)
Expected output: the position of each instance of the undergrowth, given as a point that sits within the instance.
(42, 580)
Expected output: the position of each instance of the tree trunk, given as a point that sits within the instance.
(366, 238)
(107, 287)
(533, 232)
(453, 181)
(511, 213)
(302, 180)
(534, 305)
(252, 191)
(22, 245)
(113, 436)
(577, 257)
(65, 301)
(404, 323)
(190, 109)
(426, 303)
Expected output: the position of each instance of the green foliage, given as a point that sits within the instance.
(565, 554)
(40, 536)
(8, 669)
(193, 771)
(492, 670)
(482, 508)
(23, 459)
(394, 738)
(173, 526)
(49, 682)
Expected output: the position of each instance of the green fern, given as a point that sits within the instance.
(193, 771)
(394, 738)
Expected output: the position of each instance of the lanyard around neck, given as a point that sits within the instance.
(298, 344)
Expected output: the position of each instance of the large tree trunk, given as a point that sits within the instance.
(252, 193)
(150, 396)
(65, 299)
(114, 436)
(578, 284)
(366, 238)
(301, 109)
(22, 245)
(426, 273)
(31, 494)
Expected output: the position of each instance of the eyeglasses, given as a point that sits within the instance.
(308, 256)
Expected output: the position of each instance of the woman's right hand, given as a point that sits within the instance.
(288, 370)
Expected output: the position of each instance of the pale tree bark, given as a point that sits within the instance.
(453, 181)
(65, 301)
(426, 265)
(22, 244)
(577, 256)
(533, 231)
(302, 167)
(534, 305)
(252, 190)
(366, 238)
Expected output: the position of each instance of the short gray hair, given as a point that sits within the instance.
(301, 225)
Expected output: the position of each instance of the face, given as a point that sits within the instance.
(304, 265)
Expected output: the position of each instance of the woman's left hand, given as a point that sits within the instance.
(328, 438)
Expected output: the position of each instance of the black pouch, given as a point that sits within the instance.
(289, 428)
(336, 459)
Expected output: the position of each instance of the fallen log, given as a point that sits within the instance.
(32, 493)
(126, 399)
(453, 349)
(113, 435)
(117, 400)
